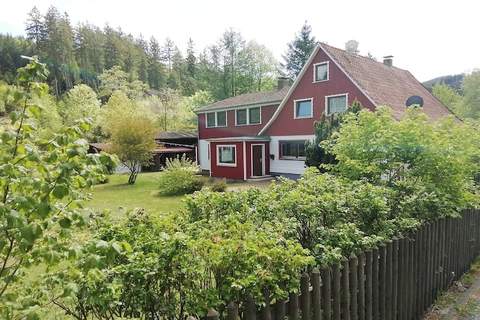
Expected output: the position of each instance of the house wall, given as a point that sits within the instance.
(236, 172)
(203, 156)
(338, 83)
(231, 130)
(278, 166)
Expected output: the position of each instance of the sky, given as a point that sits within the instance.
(429, 38)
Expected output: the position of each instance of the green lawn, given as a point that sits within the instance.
(143, 194)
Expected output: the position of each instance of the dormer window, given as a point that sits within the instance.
(320, 72)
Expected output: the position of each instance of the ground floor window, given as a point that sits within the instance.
(292, 150)
(226, 155)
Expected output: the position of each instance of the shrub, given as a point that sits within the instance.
(219, 185)
(180, 177)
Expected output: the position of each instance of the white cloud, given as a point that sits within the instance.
(429, 38)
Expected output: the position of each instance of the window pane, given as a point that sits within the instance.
(242, 116)
(211, 119)
(321, 72)
(226, 155)
(303, 108)
(292, 149)
(222, 119)
(254, 115)
(337, 104)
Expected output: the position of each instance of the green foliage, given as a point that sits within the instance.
(41, 186)
(428, 165)
(115, 79)
(132, 133)
(447, 95)
(80, 102)
(180, 177)
(469, 106)
(219, 185)
(165, 268)
(316, 155)
(299, 51)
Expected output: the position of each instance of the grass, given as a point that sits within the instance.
(118, 194)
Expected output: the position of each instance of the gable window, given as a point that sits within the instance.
(226, 155)
(248, 116)
(336, 104)
(254, 115)
(292, 150)
(303, 108)
(216, 119)
(320, 72)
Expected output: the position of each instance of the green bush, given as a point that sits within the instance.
(180, 176)
(219, 185)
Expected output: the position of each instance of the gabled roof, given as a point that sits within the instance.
(247, 99)
(385, 85)
(381, 84)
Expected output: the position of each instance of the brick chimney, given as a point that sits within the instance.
(283, 82)
(388, 61)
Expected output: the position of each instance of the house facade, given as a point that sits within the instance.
(262, 134)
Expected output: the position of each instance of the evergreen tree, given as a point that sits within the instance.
(299, 51)
(167, 52)
(191, 59)
(35, 28)
(232, 43)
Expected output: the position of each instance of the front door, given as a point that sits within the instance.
(257, 160)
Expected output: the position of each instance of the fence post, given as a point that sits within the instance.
(305, 296)
(382, 280)
(361, 286)
(250, 309)
(395, 274)
(345, 290)
(279, 310)
(326, 293)
(402, 280)
(353, 266)
(389, 281)
(293, 306)
(336, 292)
(316, 284)
(232, 311)
(368, 285)
(375, 287)
(266, 311)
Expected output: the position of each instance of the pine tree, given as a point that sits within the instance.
(191, 59)
(167, 52)
(35, 28)
(232, 43)
(299, 51)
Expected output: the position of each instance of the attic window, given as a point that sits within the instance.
(303, 108)
(336, 103)
(320, 72)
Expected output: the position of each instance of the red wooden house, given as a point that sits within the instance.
(261, 134)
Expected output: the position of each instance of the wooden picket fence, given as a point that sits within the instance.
(396, 281)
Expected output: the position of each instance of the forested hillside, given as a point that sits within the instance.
(80, 53)
(453, 81)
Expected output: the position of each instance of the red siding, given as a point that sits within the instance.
(227, 172)
(231, 130)
(338, 83)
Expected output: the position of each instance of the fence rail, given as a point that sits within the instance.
(396, 281)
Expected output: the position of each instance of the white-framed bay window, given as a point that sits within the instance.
(227, 155)
(303, 108)
(216, 119)
(337, 103)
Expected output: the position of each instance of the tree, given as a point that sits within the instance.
(35, 28)
(232, 43)
(132, 133)
(299, 51)
(317, 155)
(167, 52)
(41, 186)
(115, 79)
(447, 95)
(469, 106)
(80, 102)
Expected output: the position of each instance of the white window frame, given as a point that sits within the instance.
(295, 108)
(248, 116)
(221, 164)
(315, 71)
(263, 159)
(333, 96)
(216, 119)
(288, 158)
